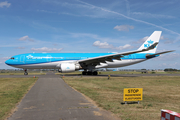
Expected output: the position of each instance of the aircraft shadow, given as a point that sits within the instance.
(123, 103)
(73, 75)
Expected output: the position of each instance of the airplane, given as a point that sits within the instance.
(89, 62)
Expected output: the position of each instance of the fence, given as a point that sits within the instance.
(169, 115)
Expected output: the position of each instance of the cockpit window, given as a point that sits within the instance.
(12, 58)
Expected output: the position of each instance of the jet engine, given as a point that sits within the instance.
(68, 67)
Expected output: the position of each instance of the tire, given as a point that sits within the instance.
(84, 73)
(25, 73)
(95, 73)
(89, 73)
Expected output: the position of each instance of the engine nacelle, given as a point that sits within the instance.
(68, 67)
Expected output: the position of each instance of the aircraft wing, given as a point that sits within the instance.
(102, 59)
(151, 56)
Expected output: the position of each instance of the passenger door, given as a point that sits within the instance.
(22, 58)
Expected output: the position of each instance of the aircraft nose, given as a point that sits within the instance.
(7, 62)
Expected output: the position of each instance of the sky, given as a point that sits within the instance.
(92, 26)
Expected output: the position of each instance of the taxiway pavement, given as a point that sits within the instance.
(52, 99)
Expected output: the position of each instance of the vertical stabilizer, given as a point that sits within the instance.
(155, 36)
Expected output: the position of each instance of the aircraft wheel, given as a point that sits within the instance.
(25, 73)
(95, 73)
(84, 73)
(89, 73)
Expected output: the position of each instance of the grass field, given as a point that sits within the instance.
(158, 93)
(11, 92)
(134, 72)
(22, 73)
(80, 72)
(119, 72)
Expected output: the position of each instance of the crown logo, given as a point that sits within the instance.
(29, 56)
(150, 42)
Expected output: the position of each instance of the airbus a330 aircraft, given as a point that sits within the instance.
(89, 62)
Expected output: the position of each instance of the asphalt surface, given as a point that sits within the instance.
(52, 99)
(79, 75)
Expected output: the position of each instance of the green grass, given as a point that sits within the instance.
(21, 73)
(119, 72)
(11, 92)
(2, 72)
(134, 72)
(79, 72)
(158, 93)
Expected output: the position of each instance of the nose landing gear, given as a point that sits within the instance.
(25, 72)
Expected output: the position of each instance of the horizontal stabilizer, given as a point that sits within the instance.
(151, 56)
(151, 47)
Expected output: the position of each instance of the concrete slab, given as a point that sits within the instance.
(52, 99)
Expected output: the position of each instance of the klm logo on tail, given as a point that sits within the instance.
(150, 42)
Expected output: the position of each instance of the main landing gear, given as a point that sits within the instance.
(89, 73)
(25, 72)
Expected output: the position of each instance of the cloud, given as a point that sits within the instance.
(106, 12)
(24, 38)
(144, 39)
(5, 4)
(127, 17)
(47, 27)
(170, 65)
(162, 38)
(94, 36)
(45, 11)
(167, 40)
(103, 45)
(45, 49)
(123, 27)
(3, 59)
(76, 35)
(127, 46)
(168, 57)
(127, 7)
(55, 44)
(148, 15)
(109, 46)
(141, 40)
(20, 47)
